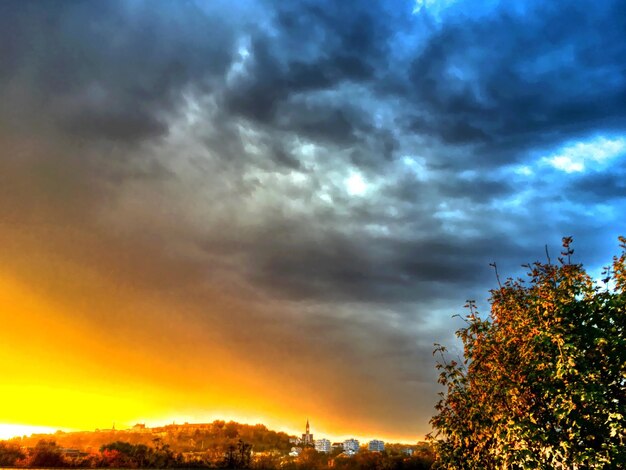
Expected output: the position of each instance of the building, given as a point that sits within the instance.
(337, 445)
(322, 445)
(351, 446)
(307, 437)
(139, 427)
(376, 446)
(295, 451)
(407, 451)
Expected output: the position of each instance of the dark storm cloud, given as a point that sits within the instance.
(111, 70)
(352, 164)
(366, 268)
(523, 79)
(602, 187)
(346, 270)
(452, 130)
(321, 122)
(316, 47)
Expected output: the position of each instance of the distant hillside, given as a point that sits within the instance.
(204, 437)
(210, 446)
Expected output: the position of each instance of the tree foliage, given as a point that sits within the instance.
(216, 437)
(543, 380)
(46, 454)
(238, 456)
(121, 454)
(10, 454)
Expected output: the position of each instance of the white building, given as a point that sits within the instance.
(322, 445)
(351, 446)
(376, 446)
(295, 451)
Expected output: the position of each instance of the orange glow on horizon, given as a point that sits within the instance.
(8, 431)
(61, 372)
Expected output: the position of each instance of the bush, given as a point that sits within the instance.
(10, 454)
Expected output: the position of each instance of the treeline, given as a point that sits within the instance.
(120, 454)
(212, 437)
(48, 454)
(309, 459)
(239, 455)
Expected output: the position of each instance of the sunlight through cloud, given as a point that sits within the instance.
(576, 158)
(356, 185)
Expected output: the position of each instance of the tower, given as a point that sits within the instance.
(307, 437)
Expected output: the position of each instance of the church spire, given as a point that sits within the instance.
(307, 437)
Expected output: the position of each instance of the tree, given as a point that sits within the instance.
(46, 454)
(543, 380)
(310, 459)
(10, 454)
(125, 454)
(162, 456)
(238, 456)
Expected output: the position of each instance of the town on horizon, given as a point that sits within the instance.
(219, 444)
(8, 431)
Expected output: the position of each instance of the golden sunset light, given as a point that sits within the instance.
(70, 374)
(8, 431)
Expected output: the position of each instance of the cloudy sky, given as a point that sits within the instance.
(271, 210)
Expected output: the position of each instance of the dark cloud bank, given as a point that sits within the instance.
(349, 169)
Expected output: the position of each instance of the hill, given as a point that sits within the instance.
(183, 438)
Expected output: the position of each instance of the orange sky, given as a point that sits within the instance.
(111, 312)
(66, 371)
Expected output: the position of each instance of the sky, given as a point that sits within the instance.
(269, 211)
